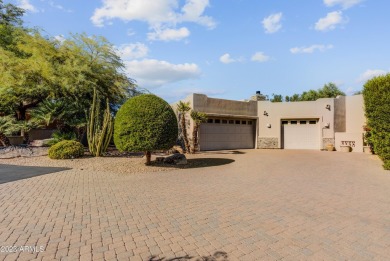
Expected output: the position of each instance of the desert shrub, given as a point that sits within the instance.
(145, 123)
(66, 149)
(376, 94)
(58, 136)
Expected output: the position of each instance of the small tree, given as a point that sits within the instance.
(145, 123)
(198, 118)
(183, 108)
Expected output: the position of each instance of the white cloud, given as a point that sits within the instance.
(26, 5)
(272, 23)
(367, 75)
(260, 57)
(192, 12)
(311, 49)
(344, 3)
(162, 16)
(133, 51)
(169, 34)
(330, 22)
(150, 73)
(227, 59)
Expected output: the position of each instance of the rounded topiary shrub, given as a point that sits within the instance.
(145, 123)
(66, 149)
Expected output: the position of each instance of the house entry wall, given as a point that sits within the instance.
(301, 134)
(227, 133)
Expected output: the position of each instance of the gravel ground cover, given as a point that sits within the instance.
(114, 161)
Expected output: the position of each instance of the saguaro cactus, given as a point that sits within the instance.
(99, 134)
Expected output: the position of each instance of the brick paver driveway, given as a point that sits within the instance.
(267, 205)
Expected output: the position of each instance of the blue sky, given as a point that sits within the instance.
(231, 48)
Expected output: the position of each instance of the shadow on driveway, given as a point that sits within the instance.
(9, 173)
(196, 163)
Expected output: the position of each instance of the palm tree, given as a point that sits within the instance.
(198, 118)
(49, 111)
(24, 127)
(7, 127)
(183, 108)
(65, 113)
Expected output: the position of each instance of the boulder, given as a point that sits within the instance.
(176, 159)
(176, 149)
(160, 159)
(40, 143)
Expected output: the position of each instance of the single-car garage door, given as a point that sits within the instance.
(301, 134)
(222, 134)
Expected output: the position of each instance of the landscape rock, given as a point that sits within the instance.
(41, 143)
(176, 159)
(160, 159)
(176, 149)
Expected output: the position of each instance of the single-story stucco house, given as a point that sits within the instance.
(258, 123)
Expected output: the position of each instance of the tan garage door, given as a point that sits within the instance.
(301, 134)
(222, 134)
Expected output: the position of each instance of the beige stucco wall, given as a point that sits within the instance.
(343, 115)
(354, 140)
(354, 121)
(295, 110)
(223, 107)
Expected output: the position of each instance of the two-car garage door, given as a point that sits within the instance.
(301, 134)
(222, 134)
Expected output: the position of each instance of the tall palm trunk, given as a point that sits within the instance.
(195, 140)
(183, 127)
(4, 140)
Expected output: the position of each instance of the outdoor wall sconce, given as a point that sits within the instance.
(328, 107)
(268, 125)
(265, 113)
(327, 125)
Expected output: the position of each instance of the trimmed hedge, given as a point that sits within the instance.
(376, 95)
(145, 123)
(66, 149)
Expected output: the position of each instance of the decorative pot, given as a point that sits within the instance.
(367, 149)
(15, 140)
(329, 147)
(345, 148)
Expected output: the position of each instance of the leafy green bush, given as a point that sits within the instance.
(145, 123)
(58, 136)
(376, 95)
(66, 149)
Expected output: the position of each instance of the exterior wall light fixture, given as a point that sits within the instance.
(268, 125)
(328, 107)
(265, 113)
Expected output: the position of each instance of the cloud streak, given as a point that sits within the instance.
(311, 49)
(343, 3)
